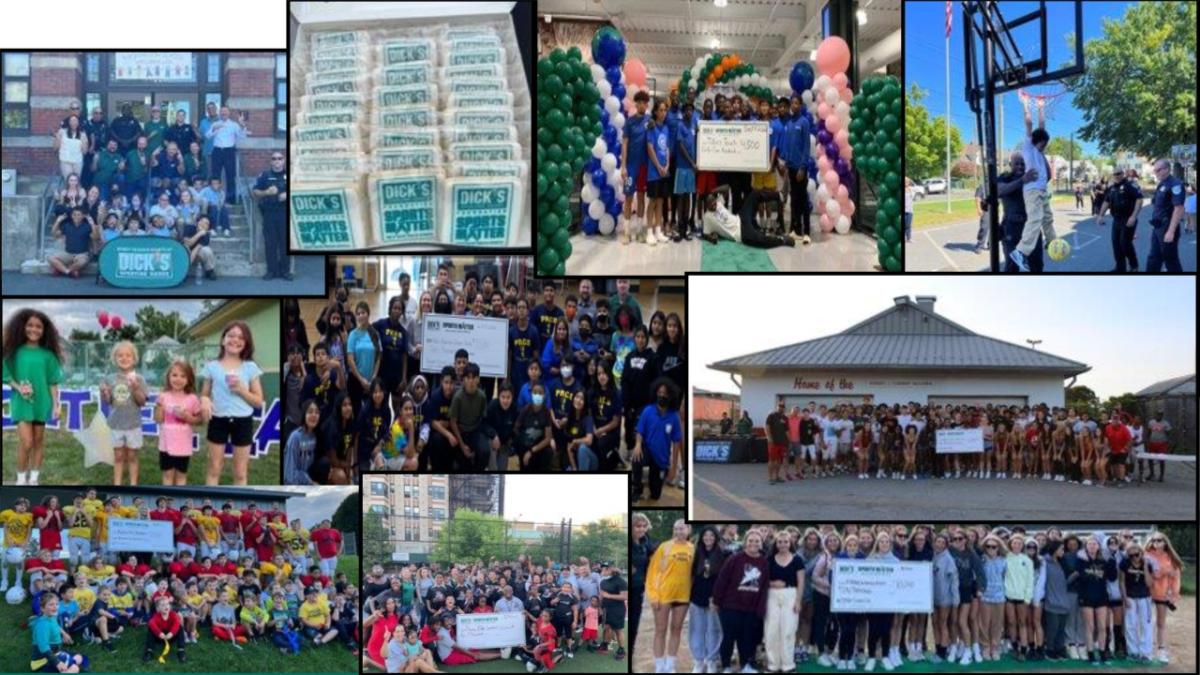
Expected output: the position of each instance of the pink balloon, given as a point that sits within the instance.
(635, 72)
(847, 150)
(848, 208)
(840, 80)
(831, 180)
(819, 207)
(833, 56)
(845, 95)
(833, 123)
(823, 110)
(102, 317)
(842, 193)
(826, 223)
(842, 136)
(822, 163)
(115, 322)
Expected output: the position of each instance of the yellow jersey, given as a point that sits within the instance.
(118, 601)
(86, 597)
(669, 574)
(195, 600)
(295, 541)
(17, 527)
(210, 529)
(271, 568)
(314, 614)
(77, 527)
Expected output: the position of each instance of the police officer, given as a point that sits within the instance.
(1009, 190)
(1125, 200)
(182, 133)
(96, 129)
(271, 192)
(1166, 212)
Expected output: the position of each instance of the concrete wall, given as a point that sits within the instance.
(20, 217)
(759, 392)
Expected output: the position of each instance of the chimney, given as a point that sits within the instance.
(901, 300)
(925, 302)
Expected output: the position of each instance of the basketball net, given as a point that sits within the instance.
(1049, 95)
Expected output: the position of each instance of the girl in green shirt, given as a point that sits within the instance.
(32, 360)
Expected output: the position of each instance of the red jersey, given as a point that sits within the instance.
(249, 516)
(207, 570)
(160, 626)
(308, 580)
(56, 565)
(51, 536)
(250, 535)
(1118, 437)
(547, 633)
(229, 522)
(170, 515)
(328, 540)
(266, 548)
(137, 571)
(183, 570)
(187, 532)
(427, 635)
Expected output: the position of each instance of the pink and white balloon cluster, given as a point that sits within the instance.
(831, 94)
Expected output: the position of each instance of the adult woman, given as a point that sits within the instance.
(909, 192)
(879, 624)
(1134, 581)
(919, 549)
(945, 595)
(668, 588)
(847, 621)
(557, 352)
(740, 598)
(785, 575)
(704, 626)
(819, 577)
(382, 621)
(362, 355)
(970, 576)
(1095, 569)
(70, 143)
(1165, 584)
(416, 332)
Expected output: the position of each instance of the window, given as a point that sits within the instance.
(280, 94)
(214, 68)
(93, 67)
(16, 92)
(93, 102)
(376, 508)
(437, 491)
(408, 490)
(439, 514)
(378, 488)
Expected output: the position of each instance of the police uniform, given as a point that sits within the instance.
(1122, 198)
(274, 214)
(1012, 225)
(1167, 196)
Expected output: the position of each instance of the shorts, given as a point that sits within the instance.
(794, 451)
(637, 181)
(810, 450)
(1115, 603)
(1093, 603)
(236, 430)
(171, 462)
(589, 634)
(658, 188)
(1116, 457)
(706, 182)
(65, 258)
(776, 452)
(843, 447)
(126, 438)
(966, 592)
(563, 626)
(685, 181)
(313, 633)
(615, 618)
(1014, 602)
(763, 181)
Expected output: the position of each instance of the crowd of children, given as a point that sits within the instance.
(575, 374)
(412, 612)
(997, 592)
(900, 442)
(229, 391)
(248, 575)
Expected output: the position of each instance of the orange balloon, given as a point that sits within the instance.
(727, 61)
(735, 59)
(718, 71)
(711, 79)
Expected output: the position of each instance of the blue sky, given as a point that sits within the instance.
(925, 65)
(1132, 330)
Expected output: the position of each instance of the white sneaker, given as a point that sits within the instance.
(887, 664)
(843, 665)
(953, 655)
(901, 476)
(1087, 481)
(748, 669)
(650, 238)
(824, 660)
(879, 474)
(662, 238)
(978, 654)
(670, 664)
(21, 478)
(966, 659)
(700, 667)
(870, 665)
(1162, 656)
(958, 473)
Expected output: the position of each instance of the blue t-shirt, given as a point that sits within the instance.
(776, 132)
(658, 432)
(685, 137)
(605, 406)
(393, 343)
(635, 136)
(660, 138)
(225, 402)
(560, 394)
(361, 347)
(523, 347)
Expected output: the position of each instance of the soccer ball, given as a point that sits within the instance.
(530, 666)
(15, 595)
(15, 555)
(1058, 250)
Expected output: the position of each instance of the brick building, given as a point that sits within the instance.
(39, 87)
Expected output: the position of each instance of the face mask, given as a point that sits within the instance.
(663, 401)
(585, 332)
(567, 372)
(538, 399)
(570, 313)
(624, 321)
(443, 307)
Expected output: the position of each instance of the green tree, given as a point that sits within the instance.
(1127, 401)
(156, 324)
(1139, 91)
(83, 335)
(375, 543)
(472, 535)
(599, 541)
(346, 516)
(1083, 399)
(661, 522)
(1062, 147)
(925, 139)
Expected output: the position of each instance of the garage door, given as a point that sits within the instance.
(827, 401)
(979, 401)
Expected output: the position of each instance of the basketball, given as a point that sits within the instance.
(15, 595)
(1058, 250)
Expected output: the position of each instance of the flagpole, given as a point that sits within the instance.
(947, 106)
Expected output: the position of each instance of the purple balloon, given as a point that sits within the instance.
(841, 165)
(831, 151)
(823, 137)
(820, 125)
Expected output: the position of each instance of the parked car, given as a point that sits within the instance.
(935, 185)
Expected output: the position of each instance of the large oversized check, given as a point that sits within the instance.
(882, 586)
(733, 146)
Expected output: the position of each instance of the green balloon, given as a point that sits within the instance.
(560, 271)
(591, 94)
(558, 55)
(550, 224)
(574, 53)
(547, 260)
(555, 119)
(560, 239)
(564, 251)
(541, 180)
(892, 180)
(577, 163)
(891, 152)
(562, 205)
(593, 114)
(891, 264)
(555, 190)
(549, 170)
(564, 101)
(553, 85)
(881, 109)
(896, 107)
(565, 71)
(554, 152)
(889, 234)
(545, 67)
(889, 123)
(889, 206)
(545, 136)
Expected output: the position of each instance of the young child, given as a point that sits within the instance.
(133, 227)
(102, 619)
(316, 617)
(121, 602)
(124, 391)
(591, 623)
(212, 202)
(47, 642)
(232, 390)
(224, 621)
(33, 369)
(253, 616)
(658, 150)
(283, 628)
(634, 168)
(399, 452)
(18, 524)
(165, 629)
(112, 227)
(176, 410)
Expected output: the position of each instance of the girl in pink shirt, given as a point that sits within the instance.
(176, 410)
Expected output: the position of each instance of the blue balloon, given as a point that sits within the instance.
(619, 91)
(614, 208)
(592, 165)
(606, 194)
(590, 226)
(613, 75)
(603, 117)
(610, 51)
(801, 77)
(598, 177)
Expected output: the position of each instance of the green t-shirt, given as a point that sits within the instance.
(154, 132)
(193, 167)
(252, 615)
(106, 165)
(40, 368)
(468, 409)
(136, 167)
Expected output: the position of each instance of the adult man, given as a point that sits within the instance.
(720, 223)
(1126, 202)
(794, 153)
(1012, 226)
(182, 133)
(96, 129)
(106, 166)
(155, 130)
(137, 168)
(524, 345)
(624, 298)
(125, 129)
(777, 442)
(981, 211)
(206, 123)
(586, 305)
(225, 135)
(1166, 212)
(77, 233)
(614, 591)
(270, 190)
(329, 546)
(1039, 217)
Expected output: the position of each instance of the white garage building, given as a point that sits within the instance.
(907, 352)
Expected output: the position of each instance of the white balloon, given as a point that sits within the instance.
(833, 209)
(842, 225)
(599, 149)
(617, 121)
(597, 73)
(596, 209)
(614, 179)
(605, 88)
(822, 192)
(607, 224)
(612, 105)
(831, 95)
(585, 193)
(843, 110)
(814, 146)
(608, 162)
(697, 66)
(822, 83)
(806, 97)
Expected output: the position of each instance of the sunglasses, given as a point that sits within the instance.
(991, 547)
(959, 539)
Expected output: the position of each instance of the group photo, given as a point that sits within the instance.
(483, 580)
(185, 579)
(808, 597)
(473, 364)
(166, 392)
(909, 408)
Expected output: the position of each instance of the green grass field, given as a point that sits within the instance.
(203, 657)
(584, 662)
(64, 462)
(931, 211)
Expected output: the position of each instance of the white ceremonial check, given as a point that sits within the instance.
(882, 586)
(959, 440)
(733, 146)
(491, 631)
(484, 338)
(127, 534)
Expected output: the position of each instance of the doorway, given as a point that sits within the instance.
(139, 101)
(168, 102)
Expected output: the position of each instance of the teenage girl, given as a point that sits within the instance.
(374, 423)
(847, 621)
(862, 447)
(32, 368)
(341, 440)
(970, 576)
(880, 624)
(945, 595)
(830, 546)
(1036, 634)
(302, 445)
(1058, 444)
(1087, 451)
(1002, 440)
(232, 390)
(919, 549)
(910, 452)
(989, 432)
(668, 588)
(991, 625)
(1018, 592)
(1116, 608)
(1165, 584)
(786, 582)
(1095, 570)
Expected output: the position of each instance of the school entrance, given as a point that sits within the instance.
(167, 101)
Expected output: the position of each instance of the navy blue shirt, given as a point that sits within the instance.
(560, 395)
(605, 405)
(393, 342)
(545, 319)
(1167, 196)
(78, 237)
(523, 347)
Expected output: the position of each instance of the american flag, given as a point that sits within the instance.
(949, 20)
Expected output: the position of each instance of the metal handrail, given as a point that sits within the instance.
(48, 193)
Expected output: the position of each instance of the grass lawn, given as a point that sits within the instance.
(584, 662)
(931, 211)
(64, 462)
(205, 656)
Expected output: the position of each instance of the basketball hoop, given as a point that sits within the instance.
(1050, 96)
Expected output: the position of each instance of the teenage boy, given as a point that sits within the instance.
(524, 344)
(794, 153)
(684, 158)
(467, 409)
(545, 315)
(634, 168)
(442, 440)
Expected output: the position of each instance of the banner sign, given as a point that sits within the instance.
(127, 534)
(484, 338)
(72, 419)
(713, 451)
(158, 66)
(959, 440)
(144, 262)
(733, 146)
(882, 586)
(491, 631)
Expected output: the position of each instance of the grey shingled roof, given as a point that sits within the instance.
(905, 336)
(1176, 386)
